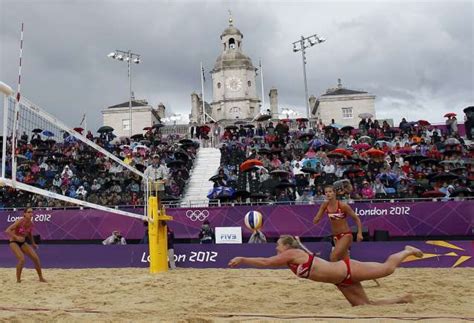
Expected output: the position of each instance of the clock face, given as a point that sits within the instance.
(233, 83)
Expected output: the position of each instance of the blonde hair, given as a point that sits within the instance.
(289, 241)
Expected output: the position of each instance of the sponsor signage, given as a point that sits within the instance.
(438, 254)
(452, 218)
(228, 235)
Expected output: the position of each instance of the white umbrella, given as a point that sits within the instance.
(140, 147)
(366, 115)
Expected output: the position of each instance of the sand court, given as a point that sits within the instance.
(215, 295)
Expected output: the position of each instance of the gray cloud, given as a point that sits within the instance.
(414, 56)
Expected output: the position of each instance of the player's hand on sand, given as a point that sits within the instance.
(235, 261)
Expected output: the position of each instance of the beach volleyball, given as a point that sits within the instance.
(253, 220)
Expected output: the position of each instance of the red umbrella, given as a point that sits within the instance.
(361, 146)
(433, 194)
(375, 152)
(342, 151)
(423, 123)
(450, 114)
(302, 119)
(246, 165)
(79, 129)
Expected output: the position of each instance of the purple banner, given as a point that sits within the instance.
(399, 219)
(438, 254)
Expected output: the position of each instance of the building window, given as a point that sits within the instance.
(347, 113)
(219, 85)
(126, 124)
(249, 83)
(231, 43)
(234, 112)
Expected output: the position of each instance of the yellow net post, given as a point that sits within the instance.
(157, 234)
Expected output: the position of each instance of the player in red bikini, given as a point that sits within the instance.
(18, 232)
(346, 275)
(337, 212)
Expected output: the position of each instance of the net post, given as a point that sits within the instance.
(4, 134)
(7, 92)
(157, 233)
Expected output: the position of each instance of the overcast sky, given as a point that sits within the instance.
(416, 57)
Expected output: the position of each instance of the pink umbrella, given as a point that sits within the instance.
(362, 146)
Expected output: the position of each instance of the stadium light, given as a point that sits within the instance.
(128, 56)
(300, 46)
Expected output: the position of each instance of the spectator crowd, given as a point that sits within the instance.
(288, 161)
(283, 161)
(71, 168)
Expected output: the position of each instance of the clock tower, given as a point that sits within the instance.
(234, 93)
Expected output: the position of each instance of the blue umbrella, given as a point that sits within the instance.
(316, 143)
(387, 176)
(47, 133)
(220, 191)
(310, 162)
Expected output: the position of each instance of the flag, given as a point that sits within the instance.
(83, 119)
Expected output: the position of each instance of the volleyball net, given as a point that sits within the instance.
(44, 156)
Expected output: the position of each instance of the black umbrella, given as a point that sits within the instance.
(240, 122)
(175, 163)
(186, 141)
(415, 158)
(258, 196)
(138, 137)
(285, 184)
(335, 155)
(214, 178)
(231, 127)
(140, 167)
(309, 170)
(158, 125)
(348, 162)
(444, 177)
(37, 130)
(429, 161)
(469, 109)
(181, 155)
(263, 117)
(105, 129)
(145, 142)
(458, 169)
(249, 126)
(463, 191)
(35, 141)
(347, 128)
(264, 151)
(306, 136)
(241, 193)
(360, 161)
(279, 172)
(327, 147)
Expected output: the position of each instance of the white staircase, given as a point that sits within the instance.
(205, 166)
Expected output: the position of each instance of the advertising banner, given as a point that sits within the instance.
(423, 219)
(437, 254)
(231, 235)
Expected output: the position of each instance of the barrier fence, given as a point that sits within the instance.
(402, 219)
(438, 254)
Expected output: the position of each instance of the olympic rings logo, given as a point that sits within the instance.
(197, 215)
